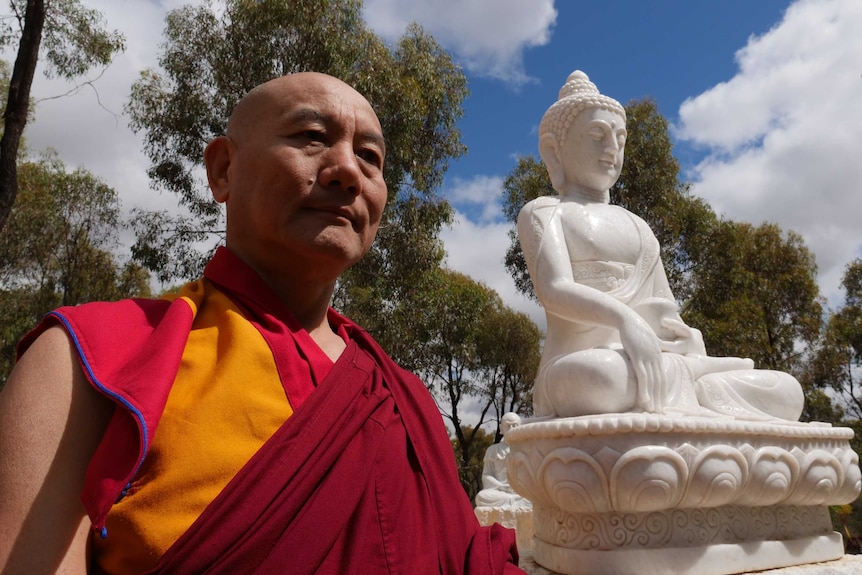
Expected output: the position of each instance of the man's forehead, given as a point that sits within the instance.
(301, 96)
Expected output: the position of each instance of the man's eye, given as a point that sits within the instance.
(370, 156)
(314, 135)
(597, 134)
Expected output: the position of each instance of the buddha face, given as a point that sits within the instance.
(592, 152)
(508, 422)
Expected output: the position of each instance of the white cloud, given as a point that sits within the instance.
(477, 250)
(488, 36)
(481, 191)
(784, 135)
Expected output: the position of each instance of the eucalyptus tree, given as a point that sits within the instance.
(837, 362)
(59, 248)
(755, 295)
(72, 38)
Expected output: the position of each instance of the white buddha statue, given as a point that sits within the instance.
(615, 340)
(496, 491)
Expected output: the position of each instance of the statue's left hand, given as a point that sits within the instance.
(688, 340)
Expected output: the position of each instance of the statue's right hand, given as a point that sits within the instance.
(642, 346)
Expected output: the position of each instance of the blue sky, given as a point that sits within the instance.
(765, 99)
(668, 50)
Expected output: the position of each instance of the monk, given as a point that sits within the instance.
(242, 426)
(615, 340)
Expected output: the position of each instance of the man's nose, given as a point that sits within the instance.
(341, 168)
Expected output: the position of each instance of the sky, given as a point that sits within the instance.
(764, 98)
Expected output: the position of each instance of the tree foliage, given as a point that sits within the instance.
(444, 348)
(837, 361)
(509, 350)
(470, 472)
(73, 40)
(58, 249)
(214, 53)
(477, 356)
(755, 295)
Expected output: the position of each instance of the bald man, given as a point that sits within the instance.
(242, 426)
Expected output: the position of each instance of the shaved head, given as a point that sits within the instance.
(263, 101)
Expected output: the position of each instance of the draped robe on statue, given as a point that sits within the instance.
(360, 478)
(745, 394)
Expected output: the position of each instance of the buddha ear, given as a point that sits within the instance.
(549, 151)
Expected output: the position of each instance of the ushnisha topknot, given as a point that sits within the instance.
(576, 95)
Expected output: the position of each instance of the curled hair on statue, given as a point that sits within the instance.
(576, 95)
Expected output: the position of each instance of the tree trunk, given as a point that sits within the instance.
(18, 103)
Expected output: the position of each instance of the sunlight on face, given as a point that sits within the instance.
(592, 153)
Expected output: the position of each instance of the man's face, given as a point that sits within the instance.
(305, 181)
(592, 153)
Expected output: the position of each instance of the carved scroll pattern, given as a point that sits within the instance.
(678, 527)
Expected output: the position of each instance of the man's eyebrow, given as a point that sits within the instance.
(374, 138)
(309, 115)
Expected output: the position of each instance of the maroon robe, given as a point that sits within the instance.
(361, 479)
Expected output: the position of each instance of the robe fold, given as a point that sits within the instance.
(360, 479)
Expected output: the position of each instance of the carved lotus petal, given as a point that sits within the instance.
(717, 476)
(772, 474)
(852, 485)
(520, 476)
(820, 477)
(574, 481)
(648, 478)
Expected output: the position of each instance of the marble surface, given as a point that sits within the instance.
(846, 565)
(518, 518)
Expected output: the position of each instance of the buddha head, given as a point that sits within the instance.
(582, 137)
(509, 421)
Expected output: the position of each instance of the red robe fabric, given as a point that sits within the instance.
(361, 479)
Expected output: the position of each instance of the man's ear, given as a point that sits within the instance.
(549, 151)
(217, 158)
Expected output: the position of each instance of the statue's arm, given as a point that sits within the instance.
(558, 292)
(548, 260)
(489, 473)
(51, 422)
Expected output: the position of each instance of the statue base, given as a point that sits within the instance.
(518, 518)
(846, 565)
(640, 494)
(713, 541)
